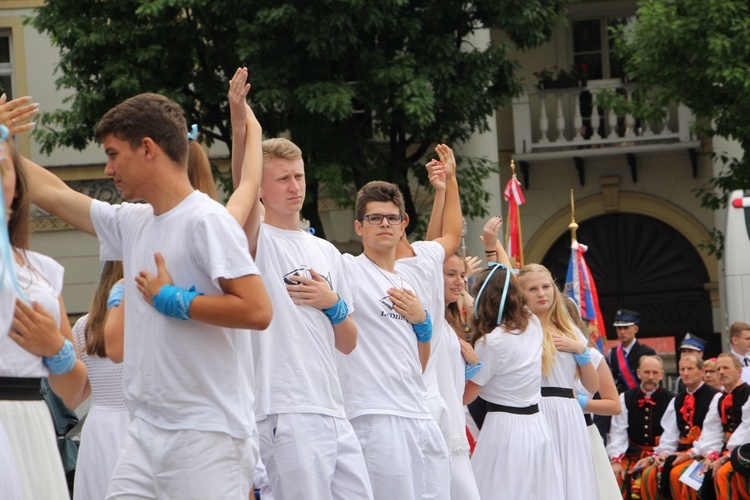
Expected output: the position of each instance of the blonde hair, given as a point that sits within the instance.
(557, 318)
(280, 148)
(199, 170)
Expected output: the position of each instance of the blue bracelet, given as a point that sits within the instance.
(174, 301)
(115, 295)
(423, 329)
(584, 358)
(62, 362)
(583, 400)
(472, 370)
(337, 312)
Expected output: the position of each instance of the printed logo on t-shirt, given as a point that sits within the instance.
(386, 302)
(304, 271)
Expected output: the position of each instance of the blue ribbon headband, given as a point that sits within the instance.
(193, 134)
(495, 266)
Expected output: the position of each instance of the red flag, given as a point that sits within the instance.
(514, 196)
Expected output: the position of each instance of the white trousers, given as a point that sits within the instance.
(10, 478)
(31, 433)
(186, 464)
(308, 455)
(406, 457)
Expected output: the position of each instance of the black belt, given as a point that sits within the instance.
(20, 389)
(588, 419)
(526, 410)
(557, 392)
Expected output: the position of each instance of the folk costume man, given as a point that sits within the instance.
(725, 415)
(636, 430)
(693, 345)
(682, 424)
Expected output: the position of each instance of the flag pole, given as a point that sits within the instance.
(573, 226)
(520, 235)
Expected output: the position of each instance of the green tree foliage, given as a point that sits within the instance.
(697, 52)
(365, 88)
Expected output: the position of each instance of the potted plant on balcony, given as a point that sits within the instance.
(559, 78)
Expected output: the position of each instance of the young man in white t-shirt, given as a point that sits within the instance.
(307, 445)
(421, 263)
(186, 385)
(384, 392)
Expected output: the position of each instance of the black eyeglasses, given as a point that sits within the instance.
(376, 219)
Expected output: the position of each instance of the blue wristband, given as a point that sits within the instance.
(174, 301)
(62, 362)
(583, 400)
(337, 312)
(115, 295)
(472, 370)
(423, 330)
(584, 358)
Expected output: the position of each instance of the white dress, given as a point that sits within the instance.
(606, 484)
(565, 418)
(106, 423)
(515, 457)
(28, 424)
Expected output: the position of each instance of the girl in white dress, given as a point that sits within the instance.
(515, 457)
(108, 419)
(464, 364)
(565, 358)
(38, 345)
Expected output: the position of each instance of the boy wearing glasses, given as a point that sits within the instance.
(306, 443)
(384, 391)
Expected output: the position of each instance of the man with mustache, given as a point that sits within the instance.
(724, 417)
(682, 424)
(636, 430)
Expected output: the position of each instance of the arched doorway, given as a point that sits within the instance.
(641, 263)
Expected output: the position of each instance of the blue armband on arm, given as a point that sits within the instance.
(423, 330)
(472, 370)
(62, 362)
(337, 312)
(115, 295)
(584, 358)
(174, 301)
(583, 400)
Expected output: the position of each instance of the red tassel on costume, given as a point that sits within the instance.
(726, 407)
(644, 401)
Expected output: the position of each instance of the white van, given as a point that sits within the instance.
(737, 257)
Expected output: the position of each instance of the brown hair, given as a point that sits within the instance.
(486, 306)
(148, 115)
(737, 327)
(19, 222)
(688, 355)
(735, 362)
(279, 147)
(199, 170)
(378, 191)
(94, 331)
(453, 313)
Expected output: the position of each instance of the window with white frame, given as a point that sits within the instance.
(6, 63)
(592, 46)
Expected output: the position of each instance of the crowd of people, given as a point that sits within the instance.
(226, 347)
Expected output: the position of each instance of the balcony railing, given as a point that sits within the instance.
(564, 123)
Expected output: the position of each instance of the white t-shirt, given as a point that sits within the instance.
(511, 373)
(39, 279)
(383, 374)
(296, 363)
(181, 375)
(425, 272)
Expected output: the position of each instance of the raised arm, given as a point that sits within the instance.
(450, 238)
(436, 174)
(493, 248)
(52, 195)
(247, 161)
